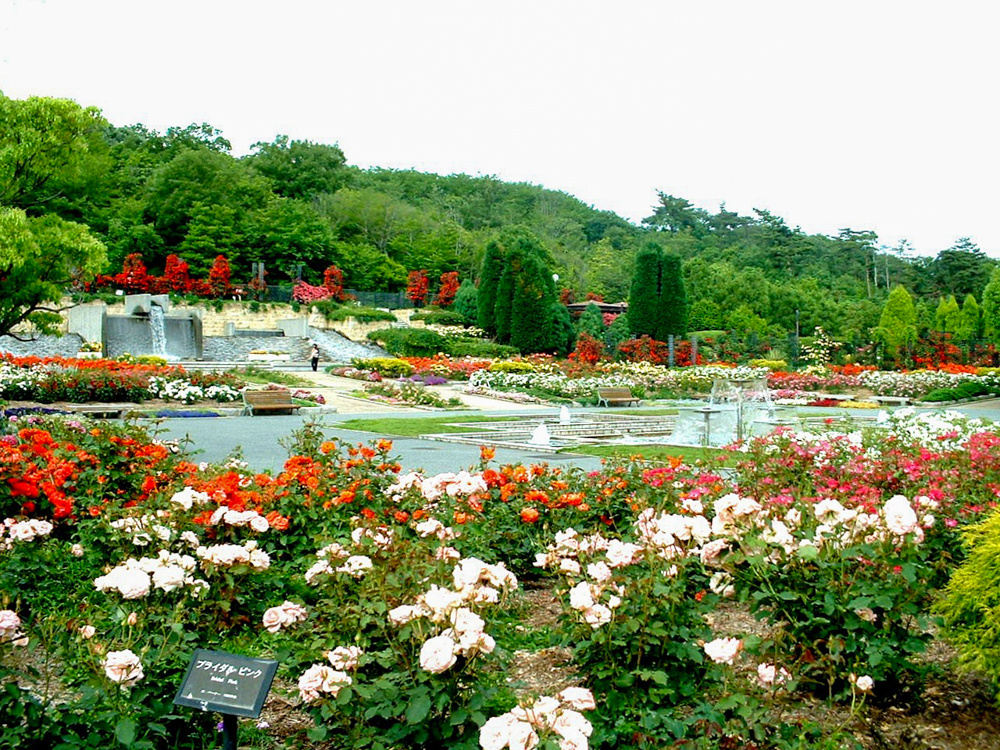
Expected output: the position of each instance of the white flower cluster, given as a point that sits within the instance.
(289, 613)
(551, 382)
(522, 728)
(938, 430)
(231, 555)
(914, 384)
(13, 531)
(250, 518)
(178, 389)
(353, 565)
(786, 532)
(142, 529)
(10, 628)
(134, 579)
(123, 667)
(473, 582)
(431, 488)
(321, 679)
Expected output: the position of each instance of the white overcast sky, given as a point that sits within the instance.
(871, 115)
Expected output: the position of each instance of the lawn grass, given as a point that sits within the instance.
(413, 426)
(260, 376)
(658, 453)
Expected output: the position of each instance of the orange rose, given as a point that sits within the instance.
(529, 515)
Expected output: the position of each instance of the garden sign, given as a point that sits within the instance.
(230, 684)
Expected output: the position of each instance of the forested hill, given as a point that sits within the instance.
(296, 202)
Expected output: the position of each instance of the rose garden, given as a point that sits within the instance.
(780, 593)
(825, 577)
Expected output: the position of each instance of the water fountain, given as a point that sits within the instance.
(147, 328)
(540, 436)
(564, 415)
(737, 409)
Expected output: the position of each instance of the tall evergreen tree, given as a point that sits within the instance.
(946, 315)
(969, 320)
(671, 318)
(504, 304)
(489, 281)
(643, 298)
(591, 322)
(897, 328)
(467, 302)
(991, 307)
(531, 321)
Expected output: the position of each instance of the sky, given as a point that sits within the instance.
(874, 115)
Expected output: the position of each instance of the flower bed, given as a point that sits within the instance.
(51, 379)
(387, 597)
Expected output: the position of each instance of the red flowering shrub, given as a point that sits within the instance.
(307, 293)
(176, 275)
(588, 349)
(219, 277)
(333, 281)
(133, 278)
(417, 285)
(449, 287)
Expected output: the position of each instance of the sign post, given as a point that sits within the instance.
(230, 684)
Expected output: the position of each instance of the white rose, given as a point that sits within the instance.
(123, 667)
(438, 654)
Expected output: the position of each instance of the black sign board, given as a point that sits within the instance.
(227, 683)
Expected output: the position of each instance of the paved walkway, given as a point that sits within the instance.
(260, 439)
(335, 390)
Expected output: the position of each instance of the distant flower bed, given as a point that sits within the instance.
(52, 379)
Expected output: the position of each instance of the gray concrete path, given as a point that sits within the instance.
(258, 438)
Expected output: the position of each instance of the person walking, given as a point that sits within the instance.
(314, 356)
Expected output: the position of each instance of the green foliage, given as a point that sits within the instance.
(300, 169)
(466, 302)
(618, 333)
(897, 327)
(39, 257)
(971, 602)
(671, 309)
(411, 393)
(991, 307)
(469, 347)
(644, 294)
(969, 324)
(489, 285)
(705, 314)
(390, 368)
(946, 318)
(409, 342)
(510, 366)
(439, 317)
(334, 312)
(503, 308)
(591, 321)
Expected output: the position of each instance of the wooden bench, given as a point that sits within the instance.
(255, 402)
(615, 397)
(890, 400)
(102, 411)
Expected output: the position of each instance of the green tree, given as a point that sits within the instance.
(503, 308)
(591, 321)
(644, 295)
(897, 328)
(617, 333)
(466, 302)
(489, 284)
(49, 148)
(300, 169)
(531, 322)
(671, 309)
(969, 320)
(287, 232)
(705, 316)
(991, 307)
(961, 269)
(946, 317)
(39, 258)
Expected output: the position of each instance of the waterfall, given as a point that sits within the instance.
(159, 330)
